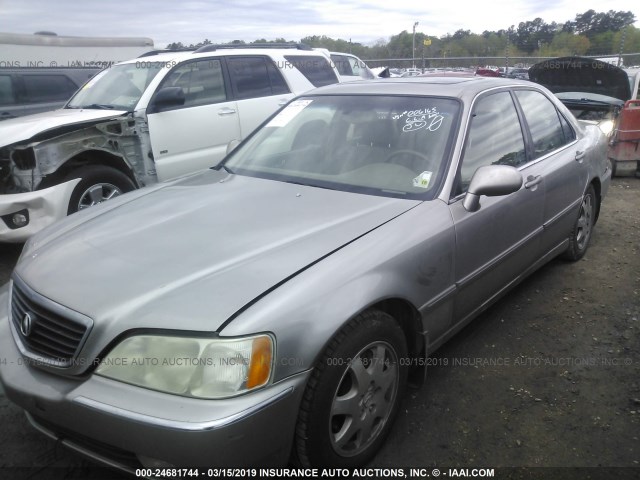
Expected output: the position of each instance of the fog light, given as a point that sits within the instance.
(19, 220)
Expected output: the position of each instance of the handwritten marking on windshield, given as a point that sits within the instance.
(429, 119)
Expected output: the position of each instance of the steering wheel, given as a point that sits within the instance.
(410, 152)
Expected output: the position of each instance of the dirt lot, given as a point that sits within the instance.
(548, 377)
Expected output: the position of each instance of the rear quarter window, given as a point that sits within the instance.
(316, 69)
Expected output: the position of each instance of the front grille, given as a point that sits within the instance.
(46, 331)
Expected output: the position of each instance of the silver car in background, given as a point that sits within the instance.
(274, 307)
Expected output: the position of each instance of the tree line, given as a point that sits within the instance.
(590, 33)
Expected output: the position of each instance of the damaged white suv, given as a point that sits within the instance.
(142, 121)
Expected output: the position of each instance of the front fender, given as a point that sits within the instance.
(415, 267)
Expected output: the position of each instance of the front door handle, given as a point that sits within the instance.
(226, 111)
(282, 103)
(533, 181)
(580, 155)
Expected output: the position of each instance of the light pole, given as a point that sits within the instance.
(413, 50)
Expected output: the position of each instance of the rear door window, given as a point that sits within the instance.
(315, 68)
(543, 120)
(254, 77)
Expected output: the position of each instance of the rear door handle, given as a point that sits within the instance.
(533, 181)
(226, 111)
(282, 103)
(580, 156)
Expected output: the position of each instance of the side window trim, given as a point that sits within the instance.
(524, 126)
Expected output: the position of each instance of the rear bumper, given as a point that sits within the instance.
(43, 208)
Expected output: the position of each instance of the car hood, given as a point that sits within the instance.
(50, 124)
(577, 74)
(194, 252)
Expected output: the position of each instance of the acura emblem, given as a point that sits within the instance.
(26, 325)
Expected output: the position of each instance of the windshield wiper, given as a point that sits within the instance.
(294, 182)
(222, 165)
(586, 100)
(100, 106)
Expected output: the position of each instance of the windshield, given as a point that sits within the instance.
(383, 145)
(118, 88)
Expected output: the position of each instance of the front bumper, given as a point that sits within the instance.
(44, 206)
(129, 427)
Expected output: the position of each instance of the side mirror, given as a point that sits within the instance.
(232, 145)
(492, 181)
(168, 97)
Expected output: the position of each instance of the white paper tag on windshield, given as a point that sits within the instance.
(422, 180)
(289, 113)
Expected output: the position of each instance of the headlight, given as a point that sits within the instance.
(193, 367)
(606, 127)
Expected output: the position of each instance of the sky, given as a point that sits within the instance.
(364, 21)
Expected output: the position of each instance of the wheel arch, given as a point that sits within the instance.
(408, 317)
(597, 186)
(88, 158)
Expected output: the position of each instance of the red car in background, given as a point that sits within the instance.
(599, 93)
(487, 72)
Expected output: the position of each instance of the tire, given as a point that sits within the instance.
(583, 228)
(368, 390)
(97, 184)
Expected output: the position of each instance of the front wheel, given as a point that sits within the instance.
(583, 227)
(353, 395)
(98, 184)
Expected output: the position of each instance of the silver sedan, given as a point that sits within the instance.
(274, 307)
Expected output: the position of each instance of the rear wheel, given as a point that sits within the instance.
(98, 184)
(583, 227)
(353, 395)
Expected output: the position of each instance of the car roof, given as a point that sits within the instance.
(179, 56)
(460, 87)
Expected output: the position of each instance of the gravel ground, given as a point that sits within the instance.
(548, 377)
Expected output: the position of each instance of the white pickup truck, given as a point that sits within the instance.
(146, 120)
